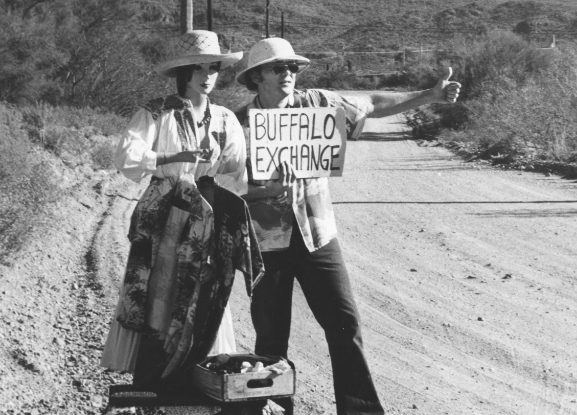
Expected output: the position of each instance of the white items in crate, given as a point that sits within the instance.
(279, 368)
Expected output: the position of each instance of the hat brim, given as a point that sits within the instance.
(241, 77)
(168, 68)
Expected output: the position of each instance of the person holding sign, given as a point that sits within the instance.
(294, 217)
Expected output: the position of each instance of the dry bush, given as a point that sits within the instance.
(71, 133)
(232, 98)
(27, 181)
(538, 120)
(24, 189)
(44, 115)
(530, 108)
(337, 78)
(518, 101)
(103, 156)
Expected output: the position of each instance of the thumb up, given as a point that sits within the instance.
(445, 90)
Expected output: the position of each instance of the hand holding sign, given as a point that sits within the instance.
(280, 187)
(445, 90)
(287, 174)
(286, 179)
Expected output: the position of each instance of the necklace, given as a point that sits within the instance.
(206, 119)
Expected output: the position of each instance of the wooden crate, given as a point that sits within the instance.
(244, 386)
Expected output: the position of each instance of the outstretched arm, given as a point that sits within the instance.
(383, 104)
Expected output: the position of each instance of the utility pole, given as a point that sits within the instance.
(267, 27)
(282, 24)
(209, 14)
(185, 16)
(230, 44)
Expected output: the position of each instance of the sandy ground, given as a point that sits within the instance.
(465, 278)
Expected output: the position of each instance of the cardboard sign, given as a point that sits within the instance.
(313, 140)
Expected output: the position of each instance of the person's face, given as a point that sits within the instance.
(278, 78)
(204, 76)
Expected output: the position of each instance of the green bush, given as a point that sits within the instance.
(25, 188)
(517, 100)
(539, 119)
(103, 155)
(27, 172)
(14, 145)
(233, 97)
(500, 63)
(337, 78)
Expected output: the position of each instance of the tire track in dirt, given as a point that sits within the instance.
(465, 279)
(480, 267)
(51, 309)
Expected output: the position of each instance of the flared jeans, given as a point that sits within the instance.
(324, 280)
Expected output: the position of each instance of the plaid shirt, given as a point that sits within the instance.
(310, 202)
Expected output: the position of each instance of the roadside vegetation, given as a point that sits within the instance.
(39, 144)
(518, 105)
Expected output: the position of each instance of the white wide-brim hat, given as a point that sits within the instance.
(269, 50)
(197, 46)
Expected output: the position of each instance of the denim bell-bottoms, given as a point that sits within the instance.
(325, 284)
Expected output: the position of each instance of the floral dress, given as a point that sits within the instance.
(167, 125)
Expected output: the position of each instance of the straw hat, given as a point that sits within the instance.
(269, 50)
(197, 46)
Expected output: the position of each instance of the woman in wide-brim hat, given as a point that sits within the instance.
(170, 136)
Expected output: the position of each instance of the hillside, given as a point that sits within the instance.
(100, 53)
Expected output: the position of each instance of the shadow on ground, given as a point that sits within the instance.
(396, 136)
(449, 202)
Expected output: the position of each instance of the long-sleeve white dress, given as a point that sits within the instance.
(167, 125)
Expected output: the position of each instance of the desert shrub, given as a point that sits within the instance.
(539, 120)
(24, 189)
(337, 78)
(14, 145)
(417, 75)
(517, 100)
(29, 176)
(50, 124)
(500, 63)
(103, 155)
(232, 98)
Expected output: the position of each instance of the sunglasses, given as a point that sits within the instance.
(279, 68)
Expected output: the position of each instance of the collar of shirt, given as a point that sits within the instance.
(256, 102)
(186, 102)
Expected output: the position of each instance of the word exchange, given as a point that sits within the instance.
(313, 140)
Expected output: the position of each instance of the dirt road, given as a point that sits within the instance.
(465, 278)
